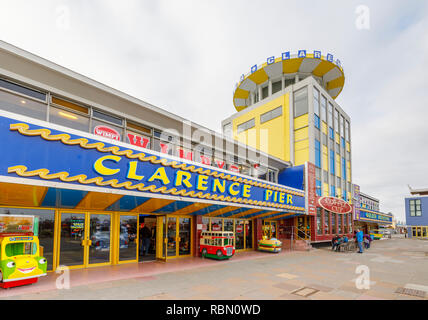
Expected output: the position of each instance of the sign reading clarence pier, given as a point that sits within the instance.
(335, 205)
(76, 158)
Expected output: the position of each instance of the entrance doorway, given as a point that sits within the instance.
(303, 228)
(174, 237)
(85, 239)
(270, 229)
(147, 238)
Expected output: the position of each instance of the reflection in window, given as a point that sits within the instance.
(68, 119)
(300, 102)
(46, 228)
(128, 238)
(22, 90)
(24, 106)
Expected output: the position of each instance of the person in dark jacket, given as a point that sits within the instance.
(145, 235)
(335, 242)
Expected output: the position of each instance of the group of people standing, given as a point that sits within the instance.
(362, 240)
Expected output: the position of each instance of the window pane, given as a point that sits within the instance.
(137, 139)
(106, 117)
(319, 221)
(106, 130)
(301, 102)
(276, 86)
(68, 119)
(316, 101)
(216, 224)
(228, 225)
(128, 238)
(323, 108)
(12, 103)
(246, 125)
(265, 92)
(23, 90)
(46, 228)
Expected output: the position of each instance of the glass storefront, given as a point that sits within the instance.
(128, 238)
(46, 228)
(243, 230)
(100, 236)
(72, 239)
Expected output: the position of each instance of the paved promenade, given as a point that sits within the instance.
(392, 269)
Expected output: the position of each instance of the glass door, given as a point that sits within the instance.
(99, 245)
(128, 237)
(174, 237)
(171, 234)
(85, 239)
(239, 235)
(73, 239)
(184, 238)
(303, 228)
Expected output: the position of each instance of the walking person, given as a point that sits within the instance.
(360, 238)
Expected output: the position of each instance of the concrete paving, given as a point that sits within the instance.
(392, 269)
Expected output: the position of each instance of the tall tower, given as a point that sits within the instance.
(286, 107)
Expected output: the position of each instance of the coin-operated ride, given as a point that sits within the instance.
(20, 260)
(218, 245)
(270, 245)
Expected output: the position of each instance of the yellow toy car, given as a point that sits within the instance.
(20, 260)
(272, 245)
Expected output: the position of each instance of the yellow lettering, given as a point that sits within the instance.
(289, 199)
(103, 170)
(219, 185)
(202, 182)
(132, 171)
(160, 174)
(233, 191)
(268, 194)
(281, 197)
(246, 191)
(183, 177)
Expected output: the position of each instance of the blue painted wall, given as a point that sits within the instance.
(416, 221)
(292, 177)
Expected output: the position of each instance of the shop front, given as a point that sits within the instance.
(369, 221)
(333, 217)
(103, 203)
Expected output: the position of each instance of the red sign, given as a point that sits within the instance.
(107, 132)
(215, 227)
(335, 205)
(239, 229)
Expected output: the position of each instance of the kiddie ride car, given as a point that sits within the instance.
(20, 260)
(272, 245)
(217, 244)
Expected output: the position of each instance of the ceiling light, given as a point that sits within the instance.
(67, 115)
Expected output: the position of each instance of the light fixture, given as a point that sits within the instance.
(23, 101)
(67, 115)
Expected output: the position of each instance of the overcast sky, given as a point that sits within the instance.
(186, 56)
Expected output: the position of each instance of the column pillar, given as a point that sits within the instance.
(196, 236)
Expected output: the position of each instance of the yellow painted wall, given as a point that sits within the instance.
(348, 170)
(301, 140)
(275, 131)
(325, 158)
(338, 166)
(325, 191)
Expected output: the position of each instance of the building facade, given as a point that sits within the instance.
(286, 108)
(94, 165)
(367, 215)
(417, 213)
